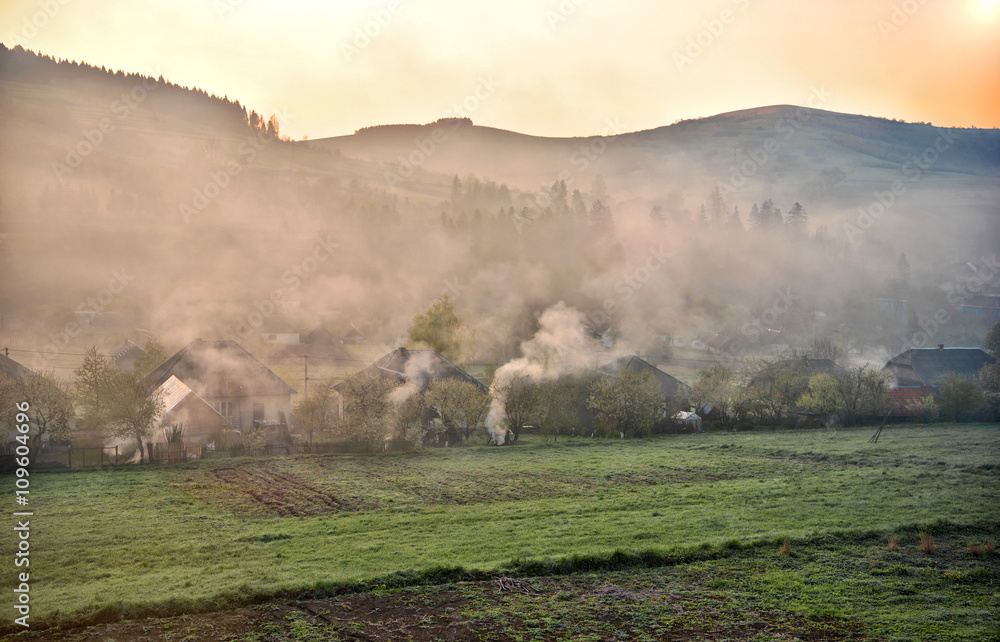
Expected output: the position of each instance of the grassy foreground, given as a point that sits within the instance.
(175, 539)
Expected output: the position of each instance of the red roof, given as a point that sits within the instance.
(903, 397)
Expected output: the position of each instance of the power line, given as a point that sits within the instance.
(44, 352)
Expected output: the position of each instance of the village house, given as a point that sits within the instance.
(715, 343)
(124, 355)
(12, 368)
(420, 368)
(353, 337)
(668, 385)
(189, 418)
(239, 387)
(928, 367)
(278, 329)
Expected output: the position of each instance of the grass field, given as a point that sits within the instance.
(696, 516)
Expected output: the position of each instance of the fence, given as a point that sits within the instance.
(55, 457)
(174, 452)
(325, 448)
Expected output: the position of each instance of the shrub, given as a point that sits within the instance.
(926, 543)
(893, 544)
(786, 547)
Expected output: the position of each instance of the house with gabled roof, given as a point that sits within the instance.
(278, 329)
(928, 367)
(668, 384)
(12, 368)
(353, 337)
(123, 355)
(714, 342)
(420, 368)
(238, 386)
(192, 417)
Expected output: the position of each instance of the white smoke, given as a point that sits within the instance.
(418, 370)
(561, 346)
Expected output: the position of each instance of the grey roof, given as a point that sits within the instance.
(928, 366)
(420, 367)
(126, 350)
(277, 324)
(312, 350)
(219, 369)
(669, 385)
(714, 340)
(12, 368)
(354, 333)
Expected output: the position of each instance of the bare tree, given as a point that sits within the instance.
(154, 353)
(50, 409)
(314, 414)
(367, 408)
(959, 397)
(411, 418)
(91, 386)
(461, 405)
(523, 401)
(863, 391)
(827, 349)
(133, 408)
(629, 402)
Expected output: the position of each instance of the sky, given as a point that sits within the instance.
(543, 67)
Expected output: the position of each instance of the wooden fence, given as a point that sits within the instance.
(56, 457)
(174, 452)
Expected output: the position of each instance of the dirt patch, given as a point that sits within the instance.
(282, 493)
(540, 608)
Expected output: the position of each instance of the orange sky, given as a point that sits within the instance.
(545, 67)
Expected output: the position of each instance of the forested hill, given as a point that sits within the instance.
(19, 65)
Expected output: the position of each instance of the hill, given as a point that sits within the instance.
(812, 151)
(214, 217)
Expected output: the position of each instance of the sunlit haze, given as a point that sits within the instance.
(559, 68)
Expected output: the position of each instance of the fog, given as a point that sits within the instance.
(131, 196)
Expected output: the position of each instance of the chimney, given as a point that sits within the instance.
(940, 346)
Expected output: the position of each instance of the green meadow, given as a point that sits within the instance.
(160, 541)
